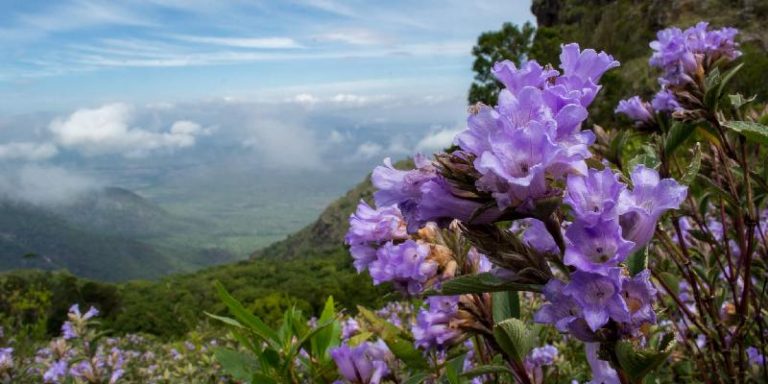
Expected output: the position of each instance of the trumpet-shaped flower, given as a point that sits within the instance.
(642, 207)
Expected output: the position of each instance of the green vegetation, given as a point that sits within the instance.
(301, 271)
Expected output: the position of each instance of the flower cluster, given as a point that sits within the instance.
(379, 243)
(434, 328)
(610, 222)
(76, 325)
(683, 56)
(366, 363)
(534, 134)
(681, 53)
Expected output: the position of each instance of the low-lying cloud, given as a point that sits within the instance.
(44, 185)
(27, 151)
(109, 130)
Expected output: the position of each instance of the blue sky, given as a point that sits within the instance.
(180, 95)
(69, 54)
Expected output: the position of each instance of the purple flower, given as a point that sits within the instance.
(439, 204)
(6, 359)
(636, 109)
(582, 70)
(82, 370)
(538, 237)
(598, 296)
(642, 207)
(402, 188)
(755, 357)
(595, 248)
(349, 328)
(602, 372)
(68, 330)
(665, 100)
(530, 74)
(639, 294)
(405, 265)
(363, 364)
(433, 327)
(563, 312)
(594, 196)
(369, 225)
(479, 261)
(56, 372)
(541, 356)
(678, 52)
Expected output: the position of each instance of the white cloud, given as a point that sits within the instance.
(306, 99)
(280, 142)
(27, 151)
(243, 42)
(44, 185)
(108, 130)
(437, 140)
(355, 37)
(368, 150)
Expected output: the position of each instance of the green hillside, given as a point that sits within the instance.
(111, 235)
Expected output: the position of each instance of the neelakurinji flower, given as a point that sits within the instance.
(366, 363)
(596, 247)
(665, 101)
(6, 359)
(405, 265)
(369, 225)
(641, 207)
(598, 296)
(538, 237)
(594, 195)
(56, 372)
(639, 294)
(562, 311)
(755, 357)
(74, 326)
(535, 130)
(602, 372)
(433, 328)
(679, 53)
(636, 109)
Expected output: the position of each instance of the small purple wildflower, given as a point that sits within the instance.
(366, 363)
(636, 109)
(433, 325)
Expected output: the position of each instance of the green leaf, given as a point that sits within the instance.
(245, 317)
(380, 326)
(692, 170)
(638, 261)
(647, 157)
(225, 320)
(329, 336)
(677, 135)
(407, 353)
(754, 132)
(514, 338)
(238, 365)
(505, 305)
(480, 283)
(727, 78)
(738, 100)
(672, 281)
(486, 370)
(638, 363)
(416, 378)
(453, 369)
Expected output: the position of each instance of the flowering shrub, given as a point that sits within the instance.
(528, 204)
(84, 355)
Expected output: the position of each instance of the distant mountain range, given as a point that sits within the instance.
(109, 234)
